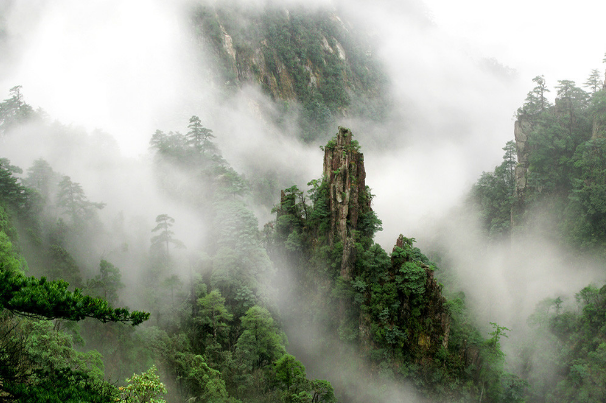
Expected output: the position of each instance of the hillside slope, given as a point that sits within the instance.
(311, 62)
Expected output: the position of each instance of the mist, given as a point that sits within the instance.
(129, 69)
(115, 72)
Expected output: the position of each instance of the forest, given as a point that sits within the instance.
(171, 288)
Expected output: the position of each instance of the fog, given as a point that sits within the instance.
(131, 68)
(457, 72)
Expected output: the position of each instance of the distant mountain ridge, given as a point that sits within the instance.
(313, 62)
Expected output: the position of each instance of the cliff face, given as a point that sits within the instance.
(270, 45)
(599, 118)
(393, 303)
(387, 307)
(309, 58)
(346, 177)
(421, 322)
(522, 129)
(418, 293)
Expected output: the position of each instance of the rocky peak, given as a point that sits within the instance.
(346, 178)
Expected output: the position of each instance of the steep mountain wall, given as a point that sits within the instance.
(522, 129)
(346, 177)
(312, 62)
(421, 314)
(380, 302)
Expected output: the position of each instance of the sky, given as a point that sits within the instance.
(458, 71)
(557, 39)
(119, 65)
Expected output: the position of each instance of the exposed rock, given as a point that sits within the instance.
(366, 343)
(380, 305)
(340, 51)
(599, 128)
(313, 79)
(228, 44)
(262, 47)
(599, 122)
(436, 312)
(326, 45)
(522, 129)
(337, 19)
(346, 177)
(471, 355)
(280, 85)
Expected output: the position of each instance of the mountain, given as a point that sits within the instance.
(311, 62)
(375, 316)
(553, 194)
(306, 307)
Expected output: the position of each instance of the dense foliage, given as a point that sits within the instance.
(556, 189)
(218, 341)
(560, 173)
(227, 346)
(37, 362)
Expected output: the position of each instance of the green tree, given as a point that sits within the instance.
(173, 282)
(199, 136)
(30, 296)
(571, 99)
(204, 382)
(143, 388)
(40, 364)
(261, 343)
(231, 183)
(164, 238)
(14, 111)
(290, 377)
(494, 194)
(322, 392)
(63, 266)
(40, 176)
(12, 193)
(536, 100)
(172, 145)
(107, 283)
(586, 210)
(214, 312)
(493, 360)
(597, 111)
(594, 81)
(73, 201)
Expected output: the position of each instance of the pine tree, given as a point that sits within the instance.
(14, 110)
(199, 136)
(594, 81)
(40, 176)
(536, 100)
(165, 236)
(107, 283)
(73, 201)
